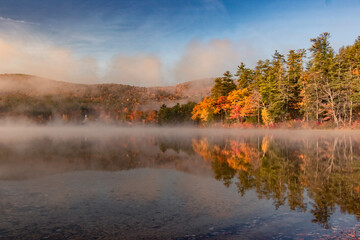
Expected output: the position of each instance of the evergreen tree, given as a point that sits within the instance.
(295, 82)
(280, 94)
(349, 61)
(322, 56)
(245, 76)
(223, 86)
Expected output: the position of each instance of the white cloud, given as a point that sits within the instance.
(140, 70)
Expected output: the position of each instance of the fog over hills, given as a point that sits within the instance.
(38, 97)
(34, 85)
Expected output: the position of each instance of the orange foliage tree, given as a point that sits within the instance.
(204, 111)
(242, 104)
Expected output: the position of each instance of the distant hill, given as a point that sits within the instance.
(22, 94)
(33, 85)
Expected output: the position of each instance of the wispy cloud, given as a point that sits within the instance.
(17, 21)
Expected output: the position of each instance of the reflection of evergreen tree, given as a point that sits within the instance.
(223, 172)
(173, 143)
(323, 206)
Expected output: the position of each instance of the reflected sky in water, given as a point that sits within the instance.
(156, 183)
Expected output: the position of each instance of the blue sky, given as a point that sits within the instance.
(166, 40)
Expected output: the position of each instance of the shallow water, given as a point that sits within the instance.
(177, 183)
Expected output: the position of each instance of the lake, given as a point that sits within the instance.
(103, 182)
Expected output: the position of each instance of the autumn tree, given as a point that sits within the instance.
(204, 111)
(222, 107)
(242, 104)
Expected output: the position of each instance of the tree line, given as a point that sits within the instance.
(317, 84)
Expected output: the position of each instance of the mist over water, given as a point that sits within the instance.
(110, 182)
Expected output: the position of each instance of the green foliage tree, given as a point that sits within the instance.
(178, 114)
(223, 86)
(295, 84)
(320, 69)
(245, 76)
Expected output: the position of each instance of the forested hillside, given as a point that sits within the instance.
(41, 100)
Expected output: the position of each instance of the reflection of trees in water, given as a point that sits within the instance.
(62, 155)
(174, 143)
(281, 170)
(48, 155)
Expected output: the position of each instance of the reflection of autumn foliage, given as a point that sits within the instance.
(328, 168)
(237, 154)
(241, 155)
(265, 143)
(202, 147)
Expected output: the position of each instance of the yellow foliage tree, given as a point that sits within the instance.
(204, 110)
(266, 116)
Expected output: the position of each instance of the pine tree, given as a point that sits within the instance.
(245, 76)
(348, 60)
(295, 82)
(322, 56)
(223, 86)
(280, 94)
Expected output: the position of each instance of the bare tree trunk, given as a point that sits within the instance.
(351, 102)
(351, 111)
(332, 104)
(317, 103)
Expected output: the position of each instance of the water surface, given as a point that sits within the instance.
(177, 183)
